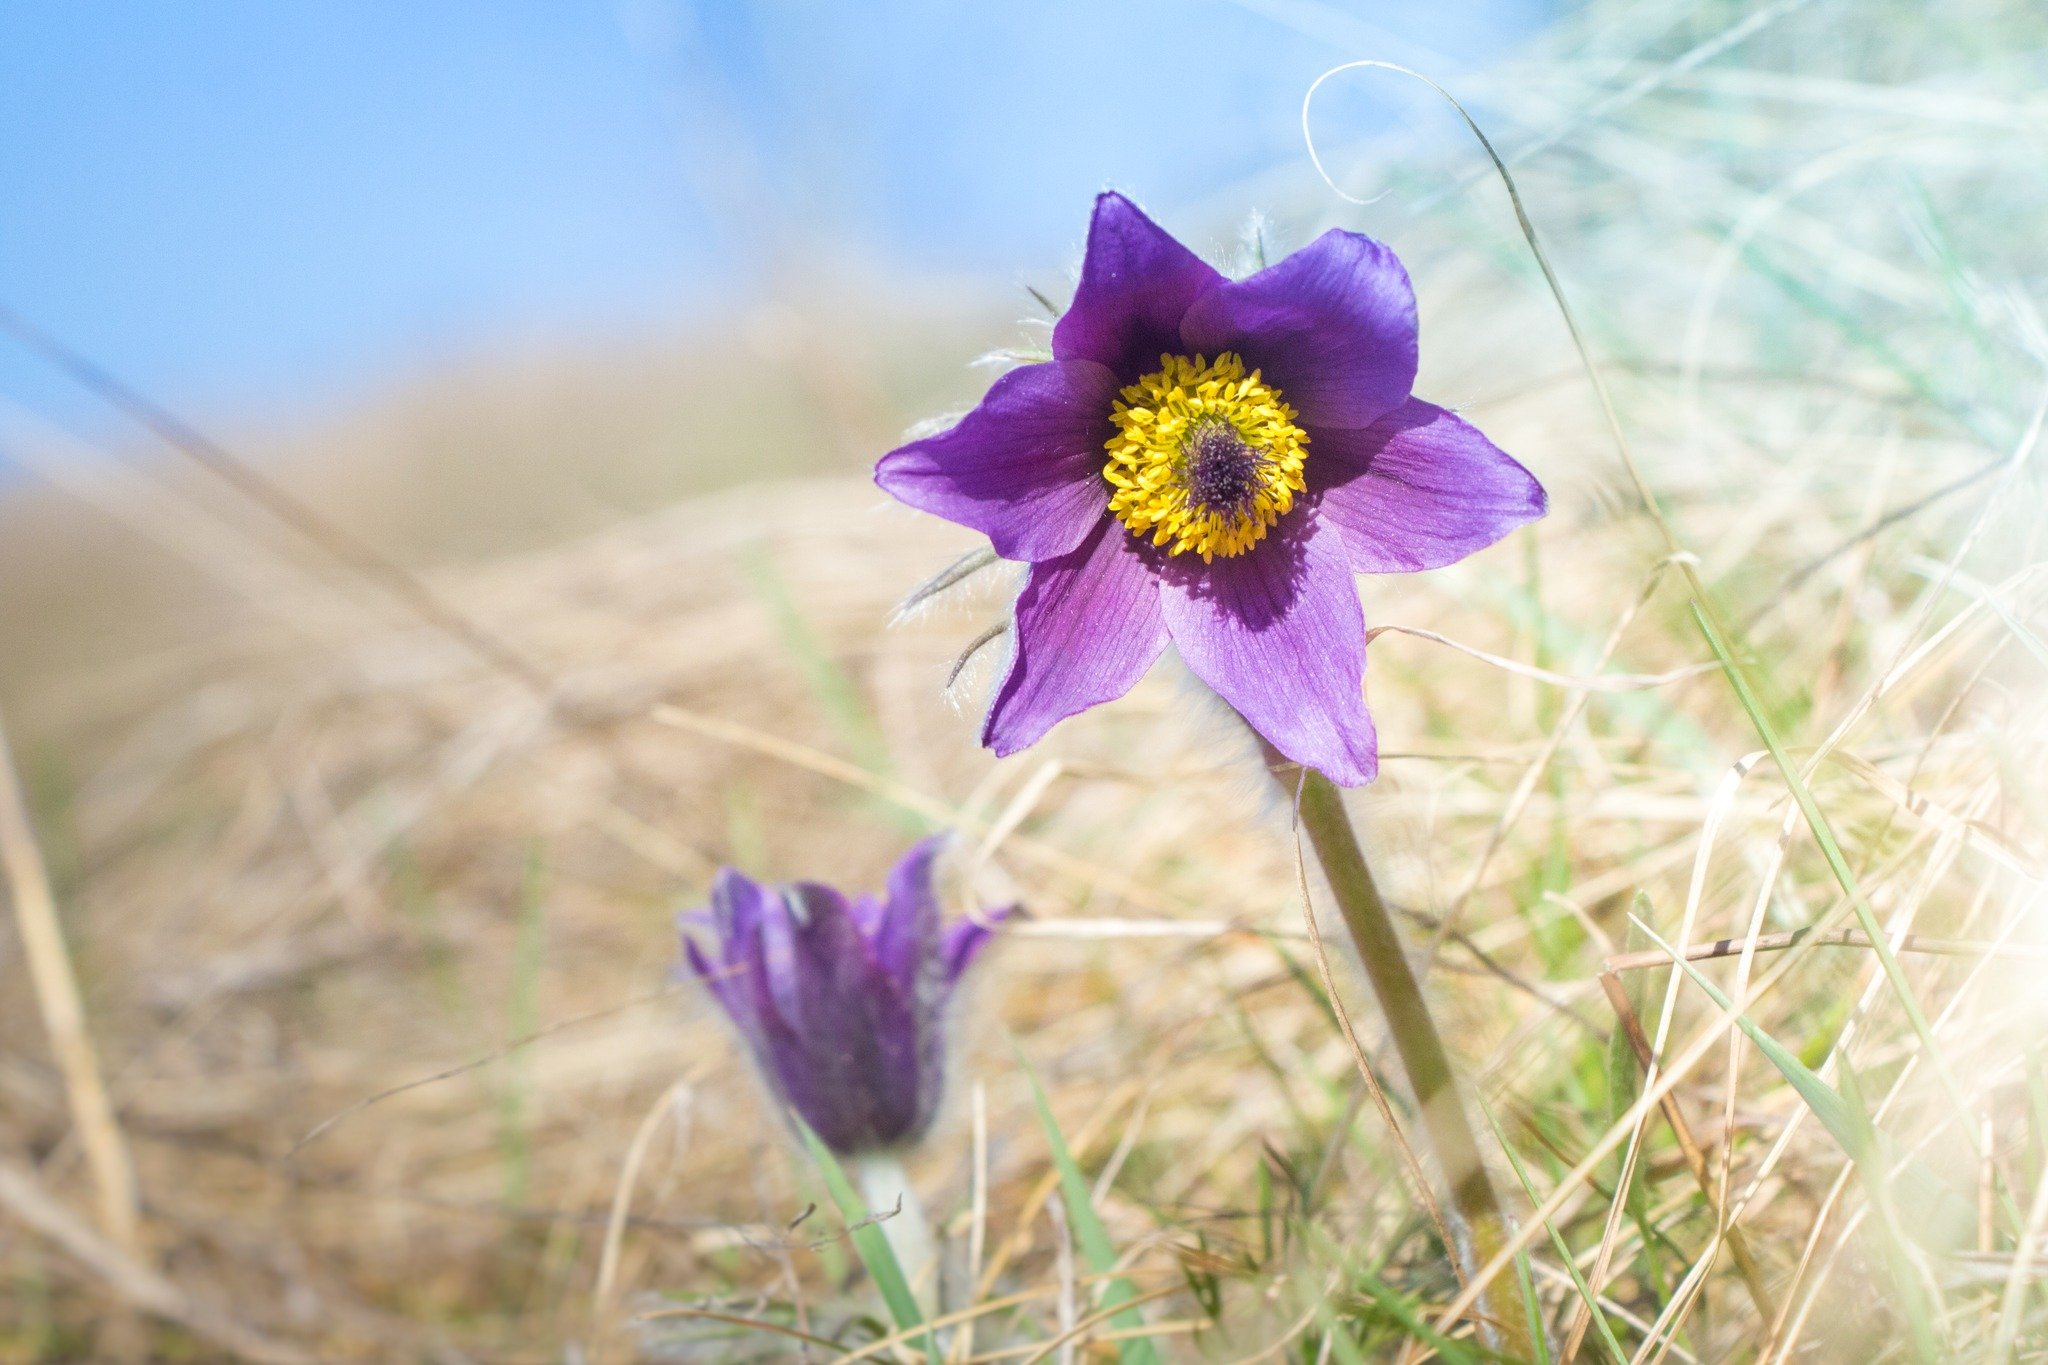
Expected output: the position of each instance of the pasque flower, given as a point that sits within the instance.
(842, 1002)
(1208, 461)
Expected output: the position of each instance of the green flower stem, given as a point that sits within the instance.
(883, 1182)
(1480, 1221)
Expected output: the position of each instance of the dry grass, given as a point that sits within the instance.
(328, 856)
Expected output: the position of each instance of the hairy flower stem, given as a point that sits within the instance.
(893, 1202)
(1481, 1224)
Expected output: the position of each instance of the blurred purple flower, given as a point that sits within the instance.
(1262, 447)
(842, 1002)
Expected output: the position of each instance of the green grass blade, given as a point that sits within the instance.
(1399, 1309)
(1824, 835)
(1531, 1302)
(522, 1020)
(1828, 1105)
(1564, 1252)
(1844, 1115)
(1396, 1307)
(869, 1242)
(1089, 1232)
(1913, 1296)
(1342, 1348)
(836, 692)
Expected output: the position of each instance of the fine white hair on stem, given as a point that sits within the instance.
(960, 571)
(972, 650)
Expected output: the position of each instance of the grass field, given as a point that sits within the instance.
(370, 894)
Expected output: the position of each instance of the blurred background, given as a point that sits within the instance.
(490, 275)
(436, 533)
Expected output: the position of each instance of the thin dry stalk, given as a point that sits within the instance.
(133, 1282)
(1083, 1138)
(63, 1013)
(622, 1204)
(1688, 1145)
(1821, 434)
(347, 549)
(1575, 705)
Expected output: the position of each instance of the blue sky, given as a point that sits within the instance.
(257, 205)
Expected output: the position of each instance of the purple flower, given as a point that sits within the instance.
(1209, 461)
(842, 1002)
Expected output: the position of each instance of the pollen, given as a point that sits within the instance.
(1206, 457)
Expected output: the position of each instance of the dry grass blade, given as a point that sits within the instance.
(1689, 1147)
(1592, 682)
(348, 550)
(622, 1202)
(322, 1128)
(282, 775)
(1084, 1327)
(763, 1325)
(63, 1013)
(132, 1282)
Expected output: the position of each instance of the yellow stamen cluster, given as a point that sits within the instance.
(1205, 456)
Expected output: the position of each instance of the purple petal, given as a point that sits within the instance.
(739, 908)
(853, 1071)
(723, 983)
(1087, 627)
(802, 916)
(1419, 489)
(738, 904)
(734, 973)
(840, 1001)
(1278, 633)
(909, 928)
(834, 964)
(852, 1056)
(965, 939)
(702, 919)
(1024, 468)
(1136, 283)
(1332, 326)
(867, 912)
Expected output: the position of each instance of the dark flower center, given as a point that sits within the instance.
(1206, 457)
(1222, 469)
